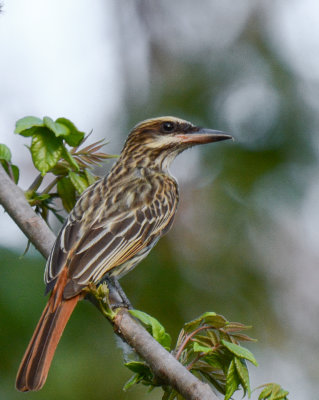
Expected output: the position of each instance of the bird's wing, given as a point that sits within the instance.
(107, 243)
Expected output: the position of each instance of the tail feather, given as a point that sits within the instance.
(37, 359)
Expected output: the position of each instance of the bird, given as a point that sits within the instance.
(113, 226)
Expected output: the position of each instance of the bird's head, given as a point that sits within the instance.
(160, 140)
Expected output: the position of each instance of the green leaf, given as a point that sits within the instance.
(5, 153)
(232, 381)
(195, 323)
(281, 395)
(75, 137)
(155, 328)
(78, 181)
(56, 128)
(132, 381)
(139, 367)
(214, 360)
(209, 318)
(265, 393)
(46, 150)
(16, 173)
(240, 351)
(66, 192)
(217, 321)
(142, 374)
(90, 177)
(42, 196)
(198, 348)
(243, 375)
(24, 125)
(70, 159)
(11, 170)
(273, 391)
(204, 340)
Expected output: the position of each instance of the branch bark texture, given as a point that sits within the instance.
(15, 204)
(163, 364)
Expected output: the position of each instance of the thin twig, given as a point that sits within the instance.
(36, 183)
(51, 185)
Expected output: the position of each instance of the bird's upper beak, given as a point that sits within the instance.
(203, 136)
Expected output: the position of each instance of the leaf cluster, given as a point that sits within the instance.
(56, 148)
(209, 347)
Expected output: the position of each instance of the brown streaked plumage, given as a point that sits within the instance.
(113, 226)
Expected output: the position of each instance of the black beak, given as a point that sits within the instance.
(203, 136)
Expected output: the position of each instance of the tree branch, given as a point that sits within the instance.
(16, 205)
(162, 363)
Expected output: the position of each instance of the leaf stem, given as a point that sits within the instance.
(35, 184)
(188, 338)
(190, 365)
(10, 172)
(200, 355)
(51, 185)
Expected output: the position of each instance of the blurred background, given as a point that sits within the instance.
(245, 240)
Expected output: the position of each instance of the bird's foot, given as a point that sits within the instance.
(117, 297)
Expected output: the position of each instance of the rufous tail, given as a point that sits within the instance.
(37, 359)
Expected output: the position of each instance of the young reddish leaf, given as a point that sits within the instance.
(217, 321)
(213, 336)
(204, 340)
(236, 326)
(242, 337)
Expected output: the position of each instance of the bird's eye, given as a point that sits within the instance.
(168, 126)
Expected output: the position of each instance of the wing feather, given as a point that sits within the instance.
(111, 240)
